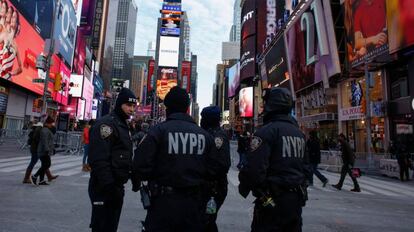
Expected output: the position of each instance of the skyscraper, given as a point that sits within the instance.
(139, 77)
(151, 49)
(236, 27)
(119, 41)
(186, 37)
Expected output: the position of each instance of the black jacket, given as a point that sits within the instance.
(110, 151)
(243, 144)
(314, 150)
(348, 156)
(34, 137)
(223, 148)
(177, 153)
(277, 158)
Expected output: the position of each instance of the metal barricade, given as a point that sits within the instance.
(69, 143)
(18, 136)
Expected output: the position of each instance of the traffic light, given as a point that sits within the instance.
(58, 82)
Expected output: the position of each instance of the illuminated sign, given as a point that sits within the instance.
(169, 50)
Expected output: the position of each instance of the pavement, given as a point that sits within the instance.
(385, 204)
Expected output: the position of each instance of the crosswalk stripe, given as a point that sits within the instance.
(26, 162)
(398, 186)
(14, 159)
(60, 161)
(364, 187)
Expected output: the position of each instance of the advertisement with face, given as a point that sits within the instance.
(366, 30)
(167, 79)
(273, 68)
(248, 58)
(246, 102)
(186, 75)
(400, 21)
(18, 53)
(234, 79)
(65, 30)
(312, 52)
(77, 82)
(248, 23)
(170, 24)
(169, 49)
(80, 54)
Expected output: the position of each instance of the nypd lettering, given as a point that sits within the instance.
(293, 147)
(186, 143)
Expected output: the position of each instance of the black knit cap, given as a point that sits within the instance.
(278, 100)
(125, 96)
(177, 100)
(210, 117)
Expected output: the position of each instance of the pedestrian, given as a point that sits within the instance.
(45, 149)
(33, 141)
(242, 147)
(348, 161)
(215, 190)
(403, 159)
(276, 170)
(176, 158)
(137, 137)
(85, 141)
(314, 151)
(110, 159)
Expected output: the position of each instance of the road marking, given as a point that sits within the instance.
(63, 163)
(26, 162)
(14, 159)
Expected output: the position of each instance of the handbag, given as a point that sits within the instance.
(356, 172)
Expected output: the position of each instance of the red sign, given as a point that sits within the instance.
(80, 54)
(186, 75)
(19, 48)
(151, 76)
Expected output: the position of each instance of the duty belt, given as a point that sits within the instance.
(159, 190)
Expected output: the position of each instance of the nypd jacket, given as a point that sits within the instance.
(177, 153)
(223, 150)
(110, 151)
(277, 157)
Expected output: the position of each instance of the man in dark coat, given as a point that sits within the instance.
(314, 151)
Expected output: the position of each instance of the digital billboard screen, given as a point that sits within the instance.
(65, 30)
(170, 24)
(248, 58)
(167, 79)
(248, 19)
(400, 21)
(246, 102)
(233, 79)
(168, 53)
(77, 85)
(80, 53)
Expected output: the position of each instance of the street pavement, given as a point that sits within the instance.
(384, 204)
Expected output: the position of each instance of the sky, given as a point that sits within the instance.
(210, 23)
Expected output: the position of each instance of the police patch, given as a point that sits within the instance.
(255, 143)
(219, 142)
(106, 131)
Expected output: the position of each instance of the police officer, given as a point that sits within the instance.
(111, 160)
(176, 157)
(217, 189)
(276, 170)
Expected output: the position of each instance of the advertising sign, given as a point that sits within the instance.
(246, 102)
(97, 23)
(170, 24)
(352, 113)
(248, 58)
(186, 75)
(173, 8)
(88, 12)
(88, 97)
(226, 117)
(400, 21)
(151, 76)
(80, 54)
(77, 82)
(167, 78)
(3, 99)
(98, 84)
(248, 20)
(77, 5)
(269, 17)
(65, 30)
(311, 46)
(234, 79)
(169, 49)
(95, 103)
(80, 113)
(18, 63)
(366, 33)
(273, 68)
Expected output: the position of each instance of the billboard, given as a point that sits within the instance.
(77, 85)
(246, 102)
(273, 68)
(77, 5)
(248, 17)
(366, 34)
(65, 30)
(248, 58)
(171, 8)
(167, 78)
(186, 75)
(400, 21)
(269, 17)
(233, 79)
(97, 23)
(312, 52)
(88, 10)
(170, 24)
(88, 97)
(18, 63)
(151, 76)
(169, 49)
(80, 53)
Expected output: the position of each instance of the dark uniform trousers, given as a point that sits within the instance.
(175, 212)
(105, 213)
(284, 217)
(219, 196)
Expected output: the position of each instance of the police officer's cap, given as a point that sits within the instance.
(212, 112)
(177, 100)
(278, 100)
(126, 96)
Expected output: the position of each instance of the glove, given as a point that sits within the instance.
(114, 195)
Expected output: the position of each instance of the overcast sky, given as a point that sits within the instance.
(210, 23)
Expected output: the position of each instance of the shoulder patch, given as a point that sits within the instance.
(105, 131)
(219, 142)
(255, 143)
